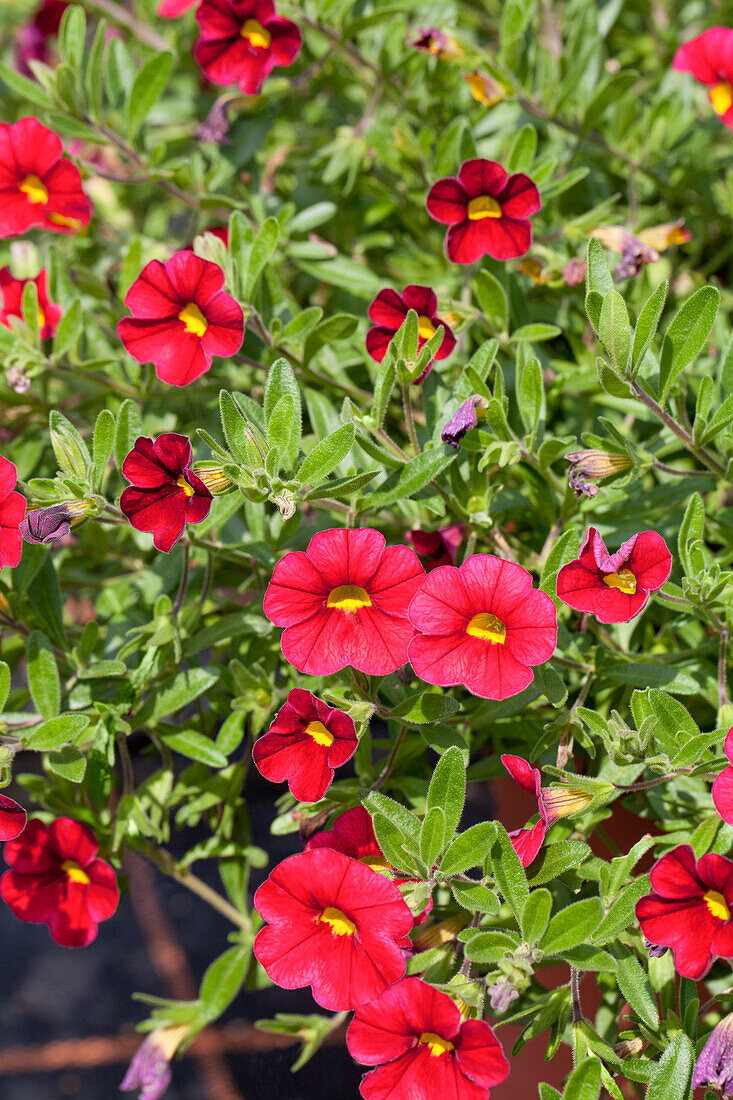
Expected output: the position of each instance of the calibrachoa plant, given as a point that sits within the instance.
(366, 436)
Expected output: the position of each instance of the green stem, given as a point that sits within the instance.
(167, 864)
(141, 31)
(409, 417)
(386, 770)
(184, 579)
(673, 426)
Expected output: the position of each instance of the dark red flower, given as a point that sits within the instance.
(689, 909)
(487, 212)
(32, 41)
(181, 317)
(344, 602)
(389, 310)
(170, 9)
(305, 743)
(723, 785)
(709, 58)
(38, 186)
(49, 314)
(414, 1035)
(481, 625)
(242, 41)
(333, 924)
(12, 818)
(439, 547)
(615, 587)
(436, 42)
(353, 834)
(12, 514)
(57, 879)
(166, 493)
(552, 802)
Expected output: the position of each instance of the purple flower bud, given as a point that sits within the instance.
(150, 1069)
(501, 995)
(715, 1064)
(464, 418)
(49, 524)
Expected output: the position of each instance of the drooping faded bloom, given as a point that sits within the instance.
(49, 313)
(482, 625)
(615, 587)
(344, 602)
(709, 58)
(464, 419)
(487, 211)
(333, 924)
(242, 41)
(305, 743)
(587, 467)
(165, 493)
(57, 879)
(422, 1049)
(39, 187)
(44, 525)
(715, 1064)
(181, 318)
(150, 1069)
(689, 909)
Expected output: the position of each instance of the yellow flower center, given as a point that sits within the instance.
(319, 733)
(717, 905)
(425, 327)
(74, 871)
(193, 319)
(435, 1044)
(377, 863)
(564, 801)
(721, 97)
(484, 206)
(348, 597)
(41, 318)
(487, 626)
(183, 484)
(339, 922)
(34, 189)
(60, 219)
(256, 34)
(624, 580)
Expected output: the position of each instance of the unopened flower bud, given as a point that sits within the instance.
(443, 932)
(560, 802)
(502, 994)
(627, 1048)
(485, 89)
(214, 478)
(594, 465)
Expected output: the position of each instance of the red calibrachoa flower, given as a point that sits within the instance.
(709, 58)
(487, 212)
(38, 186)
(333, 924)
(353, 834)
(242, 41)
(388, 312)
(57, 879)
(344, 602)
(305, 743)
(481, 625)
(49, 314)
(439, 547)
(552, 802)
(12, 514)
(12, 818)
(723, 785)
(181, 318)
(615, 587)
(422, 1049)
(32, 41)
(170, 9)
(689, 909)
(166, 493)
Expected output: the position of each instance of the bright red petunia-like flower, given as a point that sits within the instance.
(552, 802)
(12, 818)
(38, 186)
(481, 625)
(344, 602)
(388, 312)
(166, 493)
(242, 41)
(615, 587)
(353, 834)
(333, 924)
(182, 317)
(170, 9)
(422, 1049)
(305, 743)
(439, 547)
(57, 879)
(49, 314)
(487, 212)
(723, 785)
(32, 41)
(689, 909)
(12, 514)
(709, 58)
